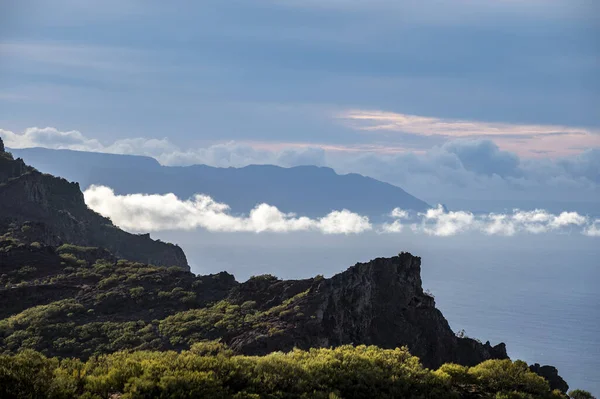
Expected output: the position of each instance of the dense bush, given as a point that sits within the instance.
(209, 370)
(580, 394)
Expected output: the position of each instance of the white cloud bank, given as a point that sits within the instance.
(156, 212)
(143, 212)
(439, 222)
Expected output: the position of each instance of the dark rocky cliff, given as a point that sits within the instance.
(58, 210)
(376, 303)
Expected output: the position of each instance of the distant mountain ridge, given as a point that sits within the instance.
(52, 211)
(304, 190)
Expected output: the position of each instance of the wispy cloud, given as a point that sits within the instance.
(226, 154)
(451, 11)
(524, 139)
(380, 120)
(462, 167)
(72, 55)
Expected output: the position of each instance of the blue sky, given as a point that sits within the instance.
(367, 79)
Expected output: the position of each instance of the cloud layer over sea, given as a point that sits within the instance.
(158, 212)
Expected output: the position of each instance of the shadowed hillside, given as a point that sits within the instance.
(51, 210)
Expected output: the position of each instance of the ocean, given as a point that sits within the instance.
(538, 294)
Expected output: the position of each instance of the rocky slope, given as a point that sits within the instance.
(376, 303)
(56, 208)
(75, 301)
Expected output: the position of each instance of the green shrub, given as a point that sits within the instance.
(209, 369)
(136, 292)
(580, 394)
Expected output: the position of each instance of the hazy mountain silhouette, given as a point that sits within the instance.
(305, 190)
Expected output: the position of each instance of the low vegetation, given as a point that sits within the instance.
(210, 370)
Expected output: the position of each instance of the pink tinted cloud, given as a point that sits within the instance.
(527, 140)
(349, 148)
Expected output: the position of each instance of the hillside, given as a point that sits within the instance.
(80, 302)
(80, 320)
(376, 303)
(305, 190)
(52, 211)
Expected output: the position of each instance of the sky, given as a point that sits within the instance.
(446, 98)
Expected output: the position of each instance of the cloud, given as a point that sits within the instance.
(396, 226)
(221, 155)
(484, 157)
(49, 137)
(593, 230)
(479, 169)
(523, 139)
(380, 120)
(153, 212)
(145, 212)
(85, 57)
(460, 168)
(440, 222)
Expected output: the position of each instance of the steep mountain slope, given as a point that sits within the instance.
(305, 190)
(59, 214)
(376, 303)
(379, 303)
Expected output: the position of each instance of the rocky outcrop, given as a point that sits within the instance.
(376, 303)
(550, 374)
(382, 303)
(11, 168)
(57, 209)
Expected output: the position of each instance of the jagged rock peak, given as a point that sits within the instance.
(2, 146)
(380, 302)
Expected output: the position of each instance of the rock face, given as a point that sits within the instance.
(376, 303)
(550, 374)
(58, 210)
(9, 167)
